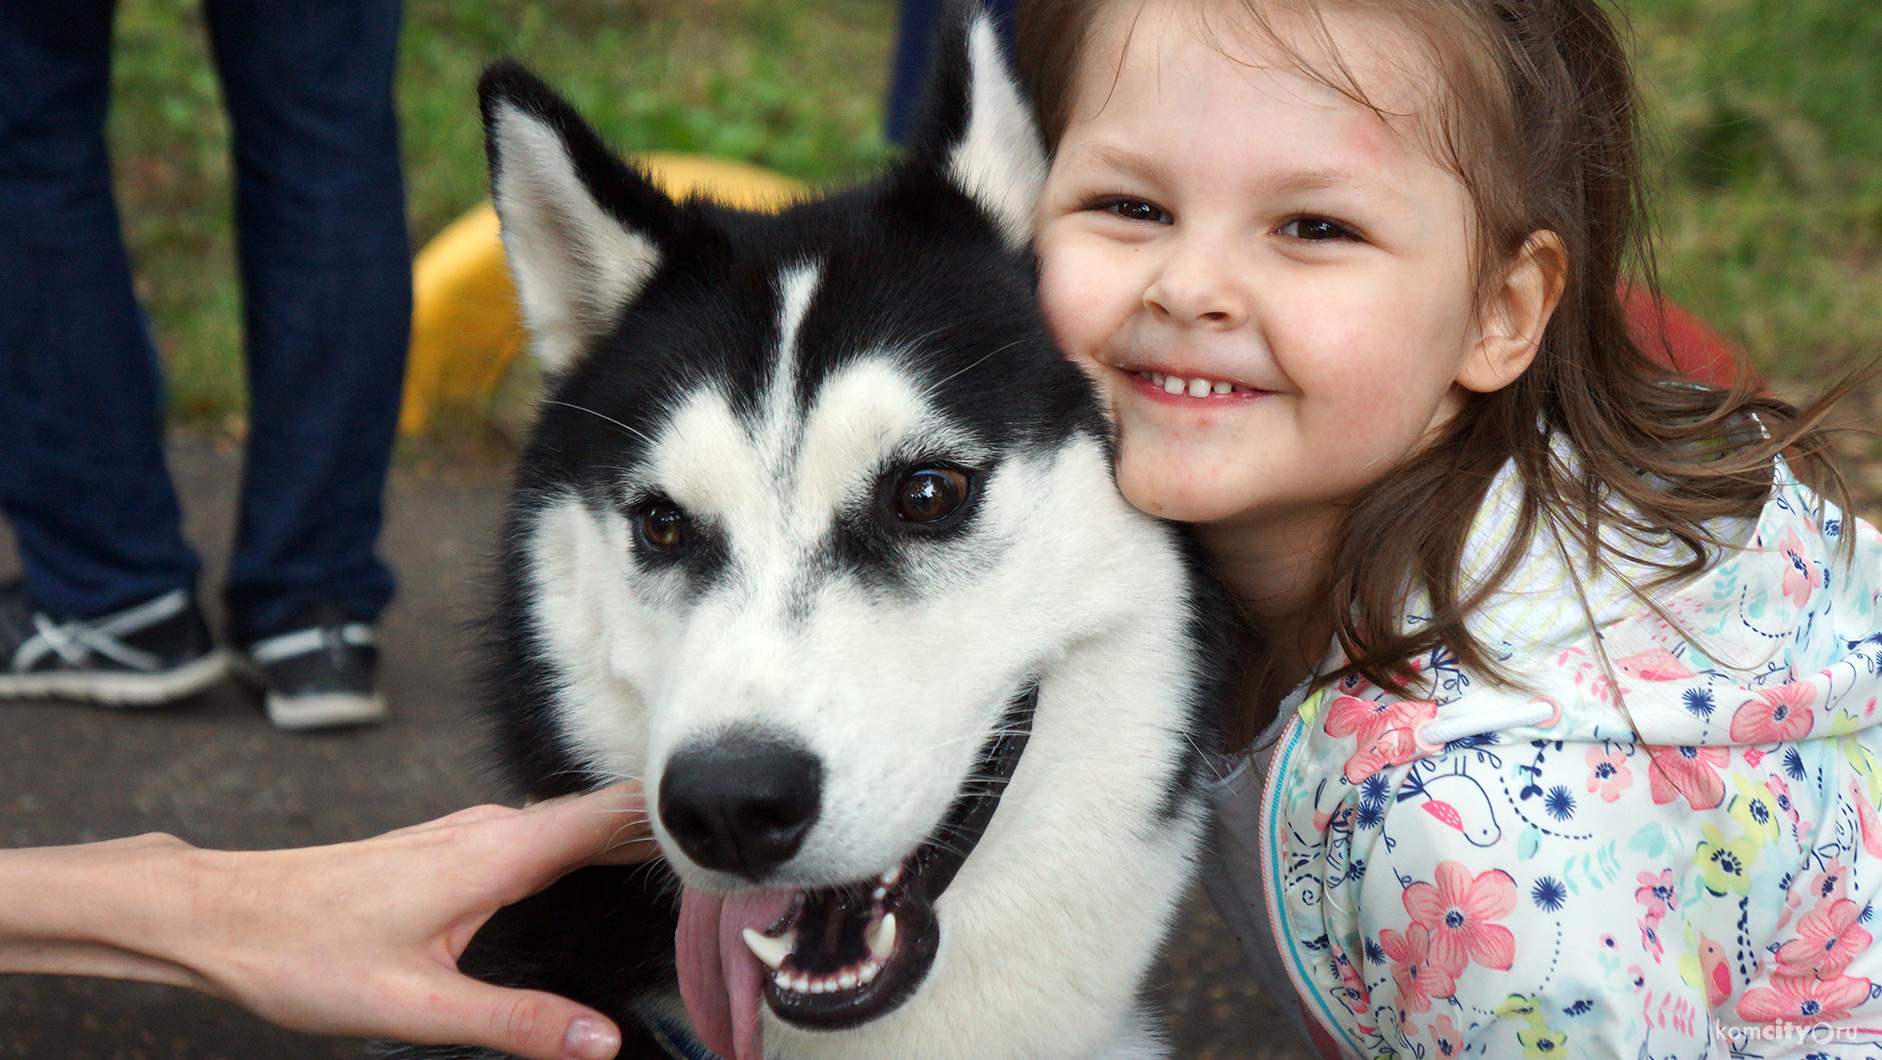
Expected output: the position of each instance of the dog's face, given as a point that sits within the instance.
(812, 510)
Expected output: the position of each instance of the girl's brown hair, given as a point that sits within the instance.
(1540, 121)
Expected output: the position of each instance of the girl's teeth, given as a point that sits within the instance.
(1196, 388)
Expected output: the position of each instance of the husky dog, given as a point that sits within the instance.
(817, 537)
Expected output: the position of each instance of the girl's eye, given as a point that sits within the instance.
(1138, 210)
(1317, 230)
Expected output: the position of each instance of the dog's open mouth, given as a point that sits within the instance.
(841, 956)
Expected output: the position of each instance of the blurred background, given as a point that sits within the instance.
(1766, 121)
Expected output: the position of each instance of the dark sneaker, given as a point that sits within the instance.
(154, 653)
(319, 677)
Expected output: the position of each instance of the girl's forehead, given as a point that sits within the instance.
(1333, 59)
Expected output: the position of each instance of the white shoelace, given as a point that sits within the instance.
(77, 641)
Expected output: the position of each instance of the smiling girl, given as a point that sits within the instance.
(1564, 740)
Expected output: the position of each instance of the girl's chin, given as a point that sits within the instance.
(1181, 502)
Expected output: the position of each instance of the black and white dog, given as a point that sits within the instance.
(817, 537)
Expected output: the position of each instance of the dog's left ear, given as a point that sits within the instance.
(977, 129)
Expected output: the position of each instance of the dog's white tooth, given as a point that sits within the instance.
(846, 981)
(801, 984)
(1174, 384)
(870, 970)
(1199, 387)
(893, 876)
(783, 981)
(881, 937)
(769, 950)
(1223, 386)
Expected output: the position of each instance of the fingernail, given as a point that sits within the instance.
(590, 1039)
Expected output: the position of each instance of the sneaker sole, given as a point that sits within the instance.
(121, 689)
(328, 711)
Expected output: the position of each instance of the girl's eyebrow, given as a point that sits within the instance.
(1130, 163)
(1313, 180)
(1303, 181)
(1148, 170)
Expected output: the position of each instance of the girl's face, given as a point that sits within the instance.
(1271, 285)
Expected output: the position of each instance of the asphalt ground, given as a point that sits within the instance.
(214, 772)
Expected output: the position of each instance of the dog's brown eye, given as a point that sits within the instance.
(662, 525)
(930, 493)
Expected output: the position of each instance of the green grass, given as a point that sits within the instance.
(1766, 118)
(794, 85)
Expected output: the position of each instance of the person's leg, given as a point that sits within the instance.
(82, 473)
(326, 271)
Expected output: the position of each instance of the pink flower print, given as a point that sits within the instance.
(1459, 913)
(1832, 882)
(1781, 795)
(1690, 773)
(1654, 664)
(1446, 1039)
(1353, 684)
(1419, 978)
(1387, 732)
(1803, 575)
(1353, 993)
(1650, 940)
(1608, 774)
(1657, 894)
(1778, 714)
(1867, 821)
(1803, 1000)
(1828, 938)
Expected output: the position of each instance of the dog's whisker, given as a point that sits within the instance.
(583, 408)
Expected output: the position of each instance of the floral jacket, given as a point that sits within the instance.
(1667, 846)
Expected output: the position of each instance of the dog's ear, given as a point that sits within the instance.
(977, 128)
(583, 229)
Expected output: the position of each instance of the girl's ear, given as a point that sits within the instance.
(1515, 315)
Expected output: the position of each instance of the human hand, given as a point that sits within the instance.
(362, 939)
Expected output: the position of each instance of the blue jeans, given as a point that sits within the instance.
(326, 276)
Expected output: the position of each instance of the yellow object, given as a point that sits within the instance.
(465, 327)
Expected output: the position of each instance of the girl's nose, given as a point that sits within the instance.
(1199, 285)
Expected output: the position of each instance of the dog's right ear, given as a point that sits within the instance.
(583, 229)
(976, 127)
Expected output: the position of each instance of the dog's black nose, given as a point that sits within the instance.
(742, 804)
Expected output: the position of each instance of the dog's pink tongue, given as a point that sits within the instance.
(719, 975)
